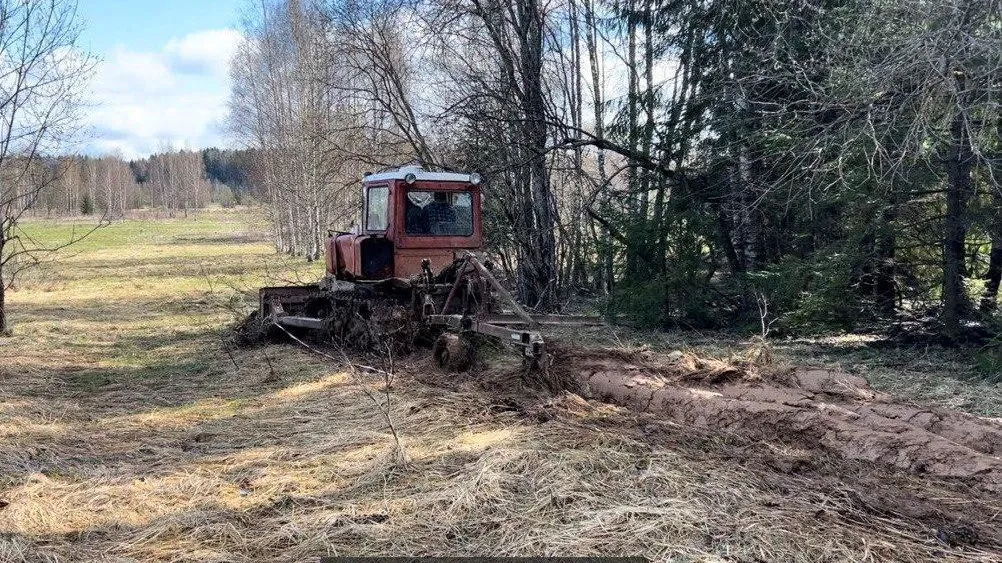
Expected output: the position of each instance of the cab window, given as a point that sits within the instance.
(439, 213)
(376, 207)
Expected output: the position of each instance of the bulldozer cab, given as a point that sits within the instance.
(409, 215)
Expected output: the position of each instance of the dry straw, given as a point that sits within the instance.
(306, 467)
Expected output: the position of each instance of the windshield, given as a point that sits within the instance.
(379, 201)
(439, 213)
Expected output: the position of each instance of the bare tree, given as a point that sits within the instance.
(302, 99)
(42, 71)
(381, 45)
(500, 95)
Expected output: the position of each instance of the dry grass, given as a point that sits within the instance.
(127, 434)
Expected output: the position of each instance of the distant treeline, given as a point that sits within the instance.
(173, 182)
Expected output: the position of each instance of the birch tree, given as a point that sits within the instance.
(42, 72)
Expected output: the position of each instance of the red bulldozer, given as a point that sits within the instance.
(410, 275)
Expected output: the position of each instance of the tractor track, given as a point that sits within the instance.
(797, 432)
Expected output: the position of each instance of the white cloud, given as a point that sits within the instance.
(141, 100)
(126, 71)
(207, 51)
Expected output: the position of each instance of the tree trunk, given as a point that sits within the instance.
(577, 278)
(885, 288)
(604, 271)
(633, 197)
(648, 104)
(990, 298)
(954, 297)
(3, 300)
(724, 229)
(531, 48)
(958, 192)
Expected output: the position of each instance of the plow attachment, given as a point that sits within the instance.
(512, 329)
(464, 299)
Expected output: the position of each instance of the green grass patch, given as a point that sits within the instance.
(146, 299)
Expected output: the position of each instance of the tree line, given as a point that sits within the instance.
(688, 159)
(172, 183)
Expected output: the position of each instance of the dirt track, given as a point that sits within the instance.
(802, 429)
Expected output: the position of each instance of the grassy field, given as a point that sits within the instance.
(140, 299)
(129, 431)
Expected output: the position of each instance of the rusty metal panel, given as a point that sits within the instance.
(407, 262)
(270, 298)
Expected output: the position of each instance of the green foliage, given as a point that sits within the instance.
(786, 195)
(988, 362)
(224, 166)
(87, 206)
(224, 196)
(670, 300)
(643, 304)
(988, 359)
(812, 295)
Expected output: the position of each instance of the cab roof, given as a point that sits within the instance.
(421, 174)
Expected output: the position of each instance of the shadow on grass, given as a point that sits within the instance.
(224, 239)
(117, 313)
(882, 354)
(162, 420)
(235, 263)
(92, 380)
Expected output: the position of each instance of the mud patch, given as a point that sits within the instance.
(453, 352)
(808, 407)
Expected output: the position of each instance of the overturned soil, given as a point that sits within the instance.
(796, 431)
(804, 406)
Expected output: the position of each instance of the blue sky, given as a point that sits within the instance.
(163, 75)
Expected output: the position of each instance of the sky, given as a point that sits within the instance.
(163, 73)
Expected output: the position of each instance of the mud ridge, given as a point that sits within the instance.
(808, 407)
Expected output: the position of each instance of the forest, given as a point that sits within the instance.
(172, 183)
(693, 163)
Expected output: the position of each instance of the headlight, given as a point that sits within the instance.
(475, 179)
(410, 177)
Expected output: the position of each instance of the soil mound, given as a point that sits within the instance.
(807, 407)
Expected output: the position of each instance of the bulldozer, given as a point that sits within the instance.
(410, 274)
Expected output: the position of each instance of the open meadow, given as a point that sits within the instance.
(132, 430)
